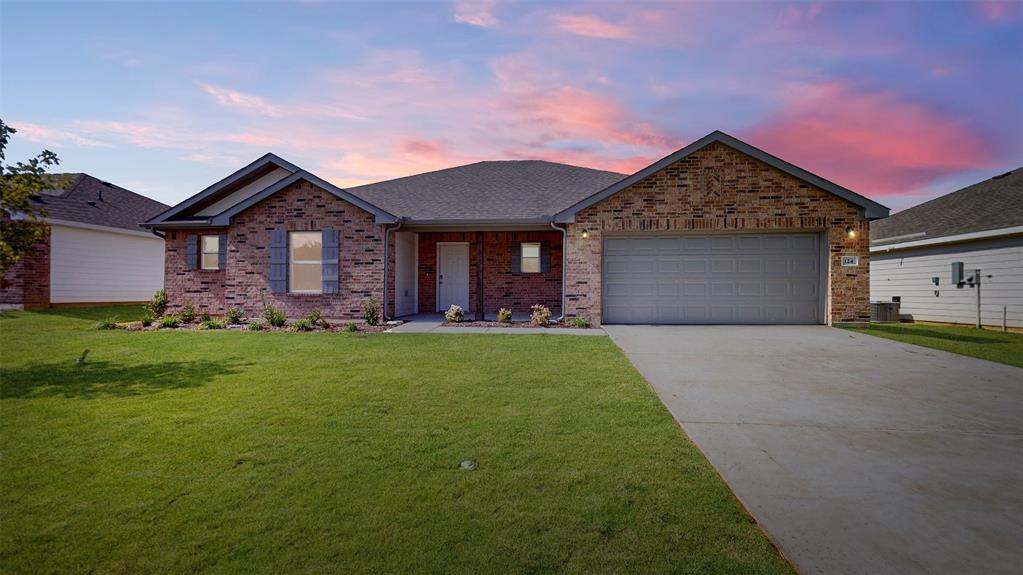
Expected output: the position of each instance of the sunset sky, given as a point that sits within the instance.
(897, 101)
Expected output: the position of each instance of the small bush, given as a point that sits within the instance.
(187, 313)
(108, 323)
(210, 324)
(351, 327)
(579, 321)
(233, 316)
(541, 315)
(158, 305)
(169, 321)
(301, 325)
(204, 317)
(257, 325)
(147, 320)
(371, 311)
(504, 315)
(316, 318)
(454, 314)
(274, 316)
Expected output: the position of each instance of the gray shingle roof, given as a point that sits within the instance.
(493, 191)
(989, 205)
(85, 199)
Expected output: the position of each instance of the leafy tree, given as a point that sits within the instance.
(19, 182)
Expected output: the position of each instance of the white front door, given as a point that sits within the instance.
(452, 276)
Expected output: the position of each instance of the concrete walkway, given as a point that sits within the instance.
(434, 323)
(856, 454)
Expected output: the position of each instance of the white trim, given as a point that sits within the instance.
(415, 275)
(71, 224)
(949, 239)
(436, 274)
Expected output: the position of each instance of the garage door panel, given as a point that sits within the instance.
(739, 278)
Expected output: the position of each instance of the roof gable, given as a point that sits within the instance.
(218, 203)
(871, 208)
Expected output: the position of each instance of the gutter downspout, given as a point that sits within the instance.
(387, 262)
(564, 266)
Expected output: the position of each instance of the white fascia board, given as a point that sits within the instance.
(949, 239)
(84, 226)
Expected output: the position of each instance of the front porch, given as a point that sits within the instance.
(482, 271)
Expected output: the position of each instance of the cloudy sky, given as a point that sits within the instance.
(899, 101)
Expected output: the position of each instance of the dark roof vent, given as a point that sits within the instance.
(1000, 176)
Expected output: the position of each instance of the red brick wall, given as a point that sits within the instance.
(204, 288)
(301, 207)
(27, 282)
(721, 189)
(502, 288)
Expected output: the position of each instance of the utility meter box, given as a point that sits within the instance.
(957, 273)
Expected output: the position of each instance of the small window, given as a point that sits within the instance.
(306, 262)
(530, 258)
(210, 253)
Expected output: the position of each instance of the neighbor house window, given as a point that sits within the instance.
(530, 258)
(210, 252)
(306, 262)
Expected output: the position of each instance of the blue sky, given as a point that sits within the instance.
(898, 101)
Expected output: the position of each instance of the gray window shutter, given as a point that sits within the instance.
(545, 257)
(191, 252)
(278, 261)
(222, 251)
(516, 257)
(331, 255)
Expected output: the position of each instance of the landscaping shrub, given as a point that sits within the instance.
(371, 311)
(168, 321)
(579, 321)
(257, 325)
(233, 316)
(351, 327)
(274, 316)
(504, 315)
(210, 324)
(187, 314)
(302, 325)
(108, 323)
(454, 314)
(147, 320)
(316, 318)
(204, 317)
(158, 305)
(541, 315)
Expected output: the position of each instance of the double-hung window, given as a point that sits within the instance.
(306, 260)
(210, 252)
(530, 257)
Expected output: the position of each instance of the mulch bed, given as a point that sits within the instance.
(334, 327)
(513, 324)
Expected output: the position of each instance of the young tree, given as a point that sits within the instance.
(19, 182)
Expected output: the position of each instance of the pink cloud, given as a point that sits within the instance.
(240, 101)
(421, 147)
(476, 13)
(49, 136)
(591, 26)
(873, 142)
(997, 11)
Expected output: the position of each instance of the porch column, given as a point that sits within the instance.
(480, 242)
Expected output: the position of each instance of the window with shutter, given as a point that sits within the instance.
(306, 262)
(530, 257)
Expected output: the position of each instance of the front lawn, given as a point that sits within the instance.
(327, 452)
(982, 343)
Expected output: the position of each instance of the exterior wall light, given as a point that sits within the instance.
(850, 232)
(586, 234)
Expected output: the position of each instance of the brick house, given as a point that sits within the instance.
(718, 232)
(93, 251)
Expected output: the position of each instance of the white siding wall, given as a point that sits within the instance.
(405, 296)
(97, 266)
(908, 273)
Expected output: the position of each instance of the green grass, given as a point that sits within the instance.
(276, 452)
(985, 344)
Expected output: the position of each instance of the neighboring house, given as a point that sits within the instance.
(718, 232)
(94, 251)
(980, 225)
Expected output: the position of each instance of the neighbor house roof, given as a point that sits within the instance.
(871, 209)
(84, 199)
(499, 191)
(993, 204)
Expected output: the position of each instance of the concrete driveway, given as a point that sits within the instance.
(856, 454)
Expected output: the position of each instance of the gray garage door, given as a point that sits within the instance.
(713, 279)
